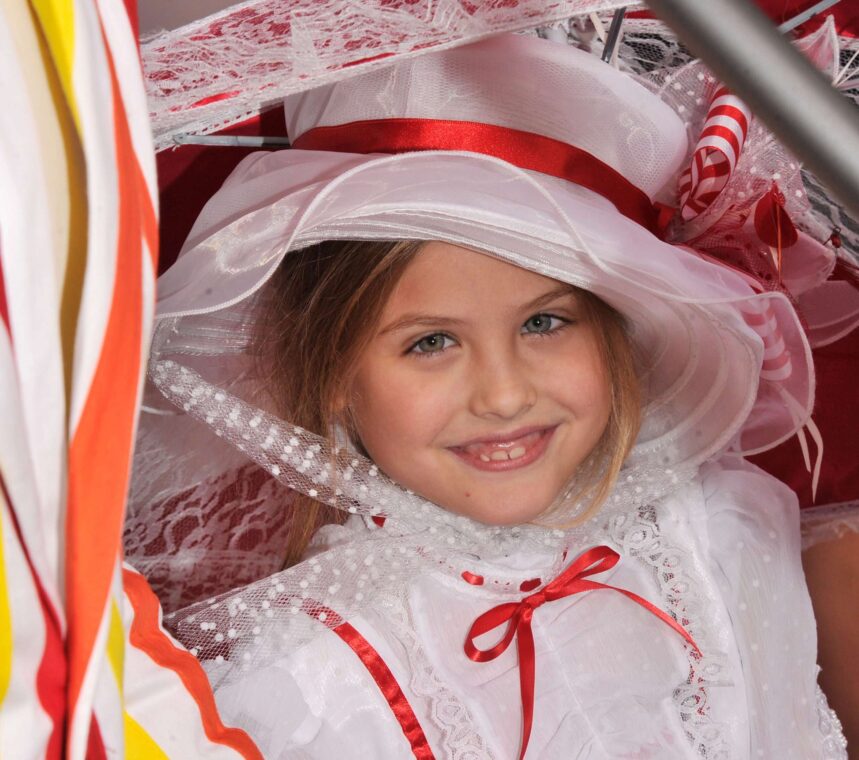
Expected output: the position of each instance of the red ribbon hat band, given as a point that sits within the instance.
(527, 150)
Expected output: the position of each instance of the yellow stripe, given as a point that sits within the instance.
(116, 644)
(69, 178)
(57, 19)
(138, 744)
(5, 623)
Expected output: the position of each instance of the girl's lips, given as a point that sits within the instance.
(503, 454)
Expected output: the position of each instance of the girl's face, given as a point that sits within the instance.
(481, 389)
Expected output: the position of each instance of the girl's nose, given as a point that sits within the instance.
(502, 389)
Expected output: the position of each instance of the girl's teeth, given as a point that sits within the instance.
(503, 451)
(502, 455)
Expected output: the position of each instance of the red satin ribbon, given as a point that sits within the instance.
(526, 150)
(517, 616)
(380, 673)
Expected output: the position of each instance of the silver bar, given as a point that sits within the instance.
(744, 49)
(801, 18)
(613, 34)
(232, 141)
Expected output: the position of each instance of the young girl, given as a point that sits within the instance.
(447, 321)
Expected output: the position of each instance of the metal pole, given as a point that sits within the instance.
(746, 52)
(613, 34)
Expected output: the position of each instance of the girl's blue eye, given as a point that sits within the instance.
(543, 323)
(432, 344)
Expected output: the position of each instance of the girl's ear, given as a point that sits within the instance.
(340, 404)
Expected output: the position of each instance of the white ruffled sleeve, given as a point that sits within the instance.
(320, 703)
(269, 705)
(754, 554)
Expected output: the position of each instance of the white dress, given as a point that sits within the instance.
(612, 679)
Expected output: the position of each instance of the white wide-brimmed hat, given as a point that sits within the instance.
(542, 155)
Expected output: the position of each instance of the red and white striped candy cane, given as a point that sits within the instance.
(761, 318)
(716, 153)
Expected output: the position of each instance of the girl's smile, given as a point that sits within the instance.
(504, 452)
(483, 387)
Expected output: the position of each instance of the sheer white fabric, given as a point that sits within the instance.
(612, 680)
(829, 522)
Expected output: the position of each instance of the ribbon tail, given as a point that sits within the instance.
(803, 446)
(814, 432)
(654, 610)
(527, 679)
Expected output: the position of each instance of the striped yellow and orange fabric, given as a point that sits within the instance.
(86, 671)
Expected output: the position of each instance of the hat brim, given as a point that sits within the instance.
(701, 361)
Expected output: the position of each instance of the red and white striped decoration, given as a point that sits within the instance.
(777, 363)
(716, 153)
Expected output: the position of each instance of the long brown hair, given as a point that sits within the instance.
(320, 310)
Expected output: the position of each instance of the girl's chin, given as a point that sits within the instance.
(492, 503)
(503, 513)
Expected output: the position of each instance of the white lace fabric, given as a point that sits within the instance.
(226, 68)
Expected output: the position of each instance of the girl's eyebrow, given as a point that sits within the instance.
(415, 320)
(433, 320)
(563, 289)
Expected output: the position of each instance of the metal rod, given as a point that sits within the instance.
(743, 48)
(806, 15)
(613, 34)
(232, 141)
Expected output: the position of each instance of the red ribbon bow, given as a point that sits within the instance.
(518, 616)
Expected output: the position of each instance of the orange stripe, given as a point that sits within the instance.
(147, 636)
(100, 451)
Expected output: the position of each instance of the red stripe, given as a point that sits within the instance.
(777, 362)
(389, 687)
(51, 675)
(4, 308)
(715, 170)
(526, 150)
(380, 673)
(95, 744)
(754, 319)
(474, 580)
(147, 636)
(731, 112)
(717, 130)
